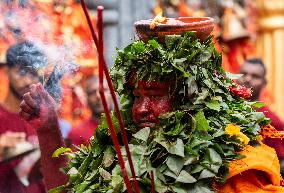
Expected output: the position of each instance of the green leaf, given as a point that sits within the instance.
(240, 117)
(257, 104)
(143, 134)
(153, 43)
(192, 85)
(79, 188)
(123, 99)
(61, 151)
(160, 139)
(185, 177)
(171, 174)
(117, 182)
(196, 169)
(202, 96)
(105, 174)
(58, 189)
(233, 76)
(204, 56)
(139, 47)
(214, 105)
(171, 40)
(190, 159)
(201, 187)
(201, 121)
(177, 189)
(72, 171)
(206, 174)
(160, 186)
(208, 83)
(175, 164)
(108, 157)
(177, 148)
(256, 116)
(85, 164)
(177, 64)
(214, 157)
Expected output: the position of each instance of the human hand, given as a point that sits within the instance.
(10, 140)
(39, 108)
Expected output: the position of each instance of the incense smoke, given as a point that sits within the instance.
(62, 59)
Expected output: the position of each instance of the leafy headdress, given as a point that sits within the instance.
(193, 144)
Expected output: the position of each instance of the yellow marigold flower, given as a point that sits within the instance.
(232, 129)
(243, 138)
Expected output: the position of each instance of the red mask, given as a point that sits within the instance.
(151, 100)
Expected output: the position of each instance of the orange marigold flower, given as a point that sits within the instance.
(268, 131)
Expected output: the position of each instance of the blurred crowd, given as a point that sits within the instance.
(23, 22)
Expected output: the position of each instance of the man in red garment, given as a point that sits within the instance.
(21, 58)
(85, 130)
(254, 72)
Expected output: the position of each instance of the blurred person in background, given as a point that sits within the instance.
(254, 72)
(85, 130)
(21, 59)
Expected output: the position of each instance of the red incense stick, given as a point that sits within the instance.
(153, 182)
(102, 68)
(120, 120)
(101, 91)
(121, 126)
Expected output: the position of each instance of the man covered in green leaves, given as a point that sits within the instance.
(186, 120)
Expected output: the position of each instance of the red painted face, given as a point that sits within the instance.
(151, 100)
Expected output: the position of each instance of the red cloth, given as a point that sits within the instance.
(9, 182)
(277, 144)
(83, 132)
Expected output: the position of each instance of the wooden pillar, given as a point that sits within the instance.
(270, 47)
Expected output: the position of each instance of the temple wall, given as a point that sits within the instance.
(119, 17)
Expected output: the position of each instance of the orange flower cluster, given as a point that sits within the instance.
(268, 131)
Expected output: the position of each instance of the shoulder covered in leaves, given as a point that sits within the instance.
(193, 144)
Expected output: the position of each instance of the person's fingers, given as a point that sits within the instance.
(42, 93)
(26, 108)
(30, 101)
(33, 91)
(25, 115)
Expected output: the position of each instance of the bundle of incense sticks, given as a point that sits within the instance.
(104, 71)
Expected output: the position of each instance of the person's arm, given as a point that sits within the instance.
(50, 140)
(40, 110)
